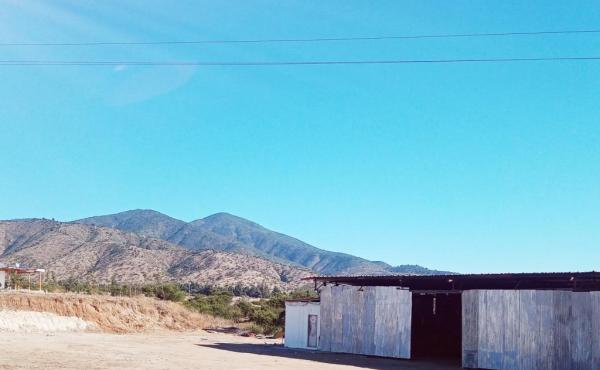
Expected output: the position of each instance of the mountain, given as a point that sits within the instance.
(143, 222)
(101, 254)
(223, 231)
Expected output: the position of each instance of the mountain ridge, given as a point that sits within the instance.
(227, 232)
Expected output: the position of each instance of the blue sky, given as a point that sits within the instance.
(465, 167)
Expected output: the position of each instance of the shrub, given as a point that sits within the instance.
(167, 292)
(218, 304)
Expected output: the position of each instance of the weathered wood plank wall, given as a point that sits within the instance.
(595, 296)
(581, 331)
(527, 333)
(470, 330)
(531, 330)
(370, 321)
(562, 329)
(325, 325)
(511, 329)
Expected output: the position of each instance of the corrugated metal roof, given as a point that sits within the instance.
(547, 280)
(303, 300)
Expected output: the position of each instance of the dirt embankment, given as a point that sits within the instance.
(35, 322)
(112, 314)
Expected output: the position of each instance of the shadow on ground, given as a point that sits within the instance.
(360, 361)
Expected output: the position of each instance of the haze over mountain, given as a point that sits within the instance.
(100, 254)
(223, 231)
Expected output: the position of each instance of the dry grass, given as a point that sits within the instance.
(113, 314)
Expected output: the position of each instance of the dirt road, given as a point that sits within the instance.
(172, 350)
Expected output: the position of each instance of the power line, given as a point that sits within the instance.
(291, 40)
(287, 63)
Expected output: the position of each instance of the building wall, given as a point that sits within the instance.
(296, 322)
(531, 330)
(369, 320)
(2, 280)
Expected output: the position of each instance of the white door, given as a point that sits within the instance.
(313, 332)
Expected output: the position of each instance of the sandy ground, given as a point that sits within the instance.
(173, 350)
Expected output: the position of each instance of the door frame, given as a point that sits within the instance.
(315, 329)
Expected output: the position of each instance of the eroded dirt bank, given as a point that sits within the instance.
(111, 314)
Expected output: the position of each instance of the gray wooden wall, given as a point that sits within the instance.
(374, 321)
(531, 330)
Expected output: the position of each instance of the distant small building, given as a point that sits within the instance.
(544, 321)
(33, 277)
(2, 279)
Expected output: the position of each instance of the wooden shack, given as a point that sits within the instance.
(544, 321)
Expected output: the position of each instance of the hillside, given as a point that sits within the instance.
(223, 231)
(101, 254)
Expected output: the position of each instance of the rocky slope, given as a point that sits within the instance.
(100, 254)
(223, 231)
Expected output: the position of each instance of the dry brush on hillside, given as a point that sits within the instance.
(101, 255)
(113, 314)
